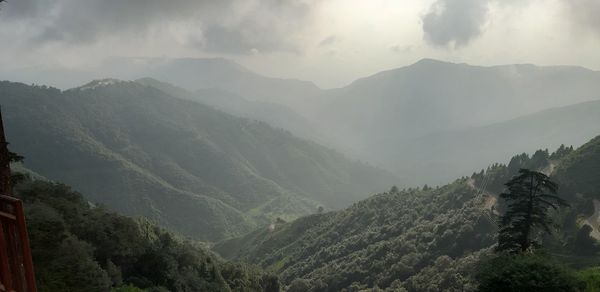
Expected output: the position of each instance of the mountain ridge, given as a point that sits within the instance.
(275, 114)
(373, 117)
(549, 128)
(376, 117)
(143, 152)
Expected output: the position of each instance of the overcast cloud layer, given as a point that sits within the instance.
(330, 42)
(231, 26)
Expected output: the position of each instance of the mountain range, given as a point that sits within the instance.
(406, 120)
(189, 73)
(402, 119)
(221, 154)
(274, 114)
(192, 168)
(459, 152)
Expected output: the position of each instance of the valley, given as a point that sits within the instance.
(299, 146)
(247, 179)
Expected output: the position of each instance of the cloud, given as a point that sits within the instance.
(398, 49)
(454, 22)
(585, 13)
(225, 26)
(266, 26)
(330, 40)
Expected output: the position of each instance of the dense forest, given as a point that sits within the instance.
(78, 246)
(432, 238)
(417, 239)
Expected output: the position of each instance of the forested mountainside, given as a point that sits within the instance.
(194, 169)
(80, 247)
(579, 173)
(376, 118)
(424, 239)
(413, 239)
(274, 114)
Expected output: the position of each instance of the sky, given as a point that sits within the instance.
(328, 42)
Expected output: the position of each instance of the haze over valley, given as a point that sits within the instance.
(440, 145)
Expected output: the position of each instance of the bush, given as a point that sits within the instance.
(128, 288)
(526, 273)
(590, 279)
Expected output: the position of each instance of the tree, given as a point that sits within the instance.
(539, 159)
(530, 196)
(561, 152)
(15, 178)
(299, 285)
(584, 243)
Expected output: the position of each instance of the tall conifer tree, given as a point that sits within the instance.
(529, 197)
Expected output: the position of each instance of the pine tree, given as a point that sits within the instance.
(530, 196)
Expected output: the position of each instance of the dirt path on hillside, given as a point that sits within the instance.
(594, 220)
(489, 199)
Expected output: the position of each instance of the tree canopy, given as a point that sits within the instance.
(80, 247)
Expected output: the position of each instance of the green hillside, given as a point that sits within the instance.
(399, 239)
(579, 172)
(410, 238)
(425, 239)
(77, 247)
(189, 167)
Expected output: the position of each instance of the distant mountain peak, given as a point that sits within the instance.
(430, 61)
(100, 83)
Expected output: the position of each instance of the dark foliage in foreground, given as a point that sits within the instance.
(78, 247)
(526, 273)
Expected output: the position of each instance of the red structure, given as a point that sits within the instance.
(16, 266)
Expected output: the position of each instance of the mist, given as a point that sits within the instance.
(300, 145)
